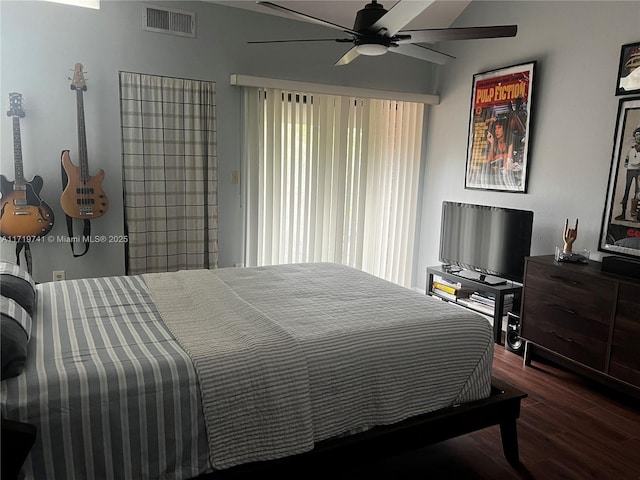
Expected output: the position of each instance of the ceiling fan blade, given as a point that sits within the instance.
(399, 15)
(305, 40)
(423, 53)
(307, 18)
(464, 33)
(348, 57)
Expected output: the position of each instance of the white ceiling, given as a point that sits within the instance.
(440, 14)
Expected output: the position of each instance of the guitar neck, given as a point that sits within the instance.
(82, 139)
(19, 183)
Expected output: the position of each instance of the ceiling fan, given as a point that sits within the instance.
(377, 30)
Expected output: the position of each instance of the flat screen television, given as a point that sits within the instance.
(484, 243)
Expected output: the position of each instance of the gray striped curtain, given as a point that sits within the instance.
(169, 173)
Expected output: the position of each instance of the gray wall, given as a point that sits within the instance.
(576, 44)
(41, 42)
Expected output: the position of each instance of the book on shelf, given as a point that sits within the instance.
(444, 287)
(490, 300)
(446, 281)
(454, 288)
(454, 297)
(444, 294)
(483, 307)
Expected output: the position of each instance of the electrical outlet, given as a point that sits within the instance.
(235, 177)
(58, 275)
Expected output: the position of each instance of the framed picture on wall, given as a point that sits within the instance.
(629, 70)
(498, 139)
(620, 225)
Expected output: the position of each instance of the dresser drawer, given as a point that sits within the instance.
(567, 281)
(625, 347)
(576, 327)
(591, 297)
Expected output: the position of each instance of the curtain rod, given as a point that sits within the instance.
(251, 81)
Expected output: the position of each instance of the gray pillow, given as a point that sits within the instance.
(17, 284)
(15, 332)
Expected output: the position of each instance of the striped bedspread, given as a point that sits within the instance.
(111, 392)
(377, 353)
(115, 395)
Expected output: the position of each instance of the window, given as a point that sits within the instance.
(332, 179)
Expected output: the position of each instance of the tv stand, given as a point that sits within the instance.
(499, 291)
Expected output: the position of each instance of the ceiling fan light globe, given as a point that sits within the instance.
(372, 49)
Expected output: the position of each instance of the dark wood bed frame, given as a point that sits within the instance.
(502, 408)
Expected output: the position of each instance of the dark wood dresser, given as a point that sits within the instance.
(583, 318)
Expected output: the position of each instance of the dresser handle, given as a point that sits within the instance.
(564, 309)
(561, 337)
(566, 280)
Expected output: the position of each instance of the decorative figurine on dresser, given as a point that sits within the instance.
(567, 254)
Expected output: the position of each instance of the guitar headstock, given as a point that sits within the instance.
(15, 105)
(78, 83)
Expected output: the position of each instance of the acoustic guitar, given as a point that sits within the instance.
(23, 214)
(82, 196)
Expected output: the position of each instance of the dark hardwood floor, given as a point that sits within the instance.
(569, 429)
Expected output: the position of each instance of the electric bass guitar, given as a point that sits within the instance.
(82, 196)
(23, 215)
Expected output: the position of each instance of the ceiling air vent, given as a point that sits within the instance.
(169, 20)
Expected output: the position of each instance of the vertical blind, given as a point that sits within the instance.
(169, 173)
(332, 179)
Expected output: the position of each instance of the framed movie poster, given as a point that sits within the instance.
(498, 141)
(621, 222)
(629, 70)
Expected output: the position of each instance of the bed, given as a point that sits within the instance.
(205, 372)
